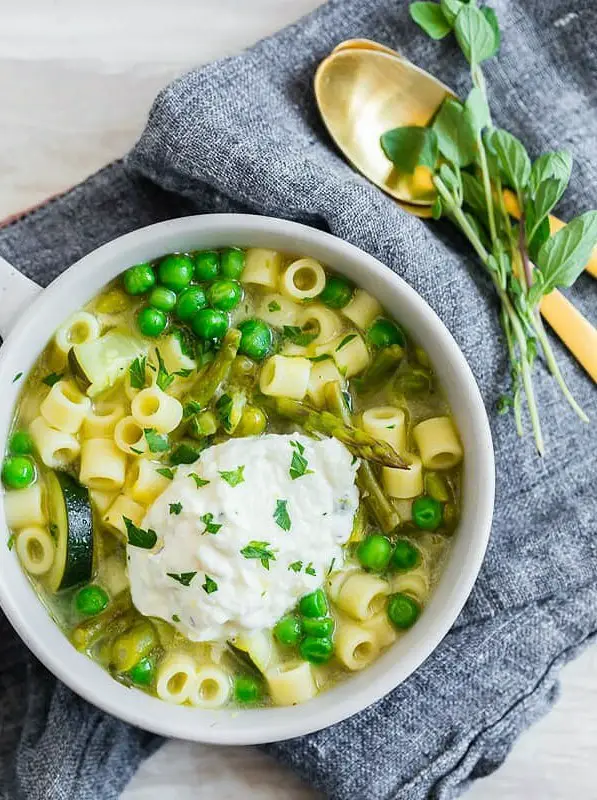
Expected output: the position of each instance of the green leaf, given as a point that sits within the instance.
(210, 586)
(184, 454)
(157, 442)
(233, 477)
(492, 19)
(17, 376)
(410, 147)
(184, 578)
(165, 472)
(437, 208)
(322, 357)
(299, 464)
(49, 380)
(477, 111)
(164, 379)
(137, 373)
(451, 9)
(259, 550)
(210, 525)
(430, 17)
(557, 164)
(296, 566)
(564, 256)
(310, 570)
(474, 34)
(175, 618)
(199, 482)
(297, 335)
(451, 177)
(547, 195)
(175, 508)
(541, 235)
(512, 158)
(473, 194)
(281, 515)
(455, 133)
(10, 542)
(137, 537)
(224, 409)
(274, 306)
(346, 340)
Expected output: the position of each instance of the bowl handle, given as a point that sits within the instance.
(16, 291)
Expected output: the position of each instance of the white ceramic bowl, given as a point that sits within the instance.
(36, 314)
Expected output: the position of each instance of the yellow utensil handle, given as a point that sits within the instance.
(555, 225)
(577, 333)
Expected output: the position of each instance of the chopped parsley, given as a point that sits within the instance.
(175, 508)
(299, 464)
(11, 541)
(51, 379)
(281, 515)
(137, 537)
(136, 451)
(17, 376)
(310, 570)
(234, 477)
(322, 357)
(296, 566)
(210, 525)
(166, 472)
(184, 454)
(298, 335)
(199, 482)
(259, 550)
(175, 618)
(346, 340)
(274, 306)
(224, 406)
(331, 567)
(184, 578)
(183, 373)
(164, 378)
(191, 408)
(210, 585)
(137, 373)
(157, 442)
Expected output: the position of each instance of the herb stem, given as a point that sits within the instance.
(488, 193)
(515, 371)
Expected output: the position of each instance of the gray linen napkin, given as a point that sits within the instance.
(244, 135)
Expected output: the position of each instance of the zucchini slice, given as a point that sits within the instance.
(98, 364)
(72, 525)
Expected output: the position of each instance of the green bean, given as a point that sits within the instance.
(131, 646)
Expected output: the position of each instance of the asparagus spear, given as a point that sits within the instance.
(217, 371)
(374, 496)
(119, 615)
(384, 363)
(359, 443)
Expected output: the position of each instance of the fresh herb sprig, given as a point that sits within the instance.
(469, 163)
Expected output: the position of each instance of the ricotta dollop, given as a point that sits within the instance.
(221, 530)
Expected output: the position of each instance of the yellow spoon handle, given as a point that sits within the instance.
(577, 333)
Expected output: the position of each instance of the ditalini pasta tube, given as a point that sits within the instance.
(56, 448)
(321, 322)
(153, 408)
(350, 354)
(355, 645)
(438, 443)
(415, 583)
(24, 507)
(291, 683)
(146, 483)
(285, 376)
(382, 629)
(81, 327)
(103, 465)
(262, 266)
(388, 424)
(362, 309)
(35, 549)
(277, 310)
(101, 420)
(130, 437)
(404, 483)
(212, 687)
(122, 507)
(322, 372)
(362, 595)
(65, 407)
(304, 279)
(177, 678)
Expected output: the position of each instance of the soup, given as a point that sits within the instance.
(232, 478)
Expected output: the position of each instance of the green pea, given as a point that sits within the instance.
(252, 423)
(209, 323)
(18, 472)
(138, 279)
(207, 265)
(225, 295)
(232, 262)
(384, 333)
(162, 298)
(405, 556)
(288, 630)
(323, 627)
(257, 338)
(437, 487)
(175, 271)
(314, 604)
(374, 552)
(247, 690)
(151, 321)
(316, 649)
(337, 292)
(190, 301)
(427, 513)
(403, 611)
(143, 672)
(91, 600)
(21, 444)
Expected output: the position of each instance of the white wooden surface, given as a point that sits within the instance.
(76, 81)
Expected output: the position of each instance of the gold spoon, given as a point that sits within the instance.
(363, 89)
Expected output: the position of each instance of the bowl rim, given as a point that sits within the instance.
(253, 726)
